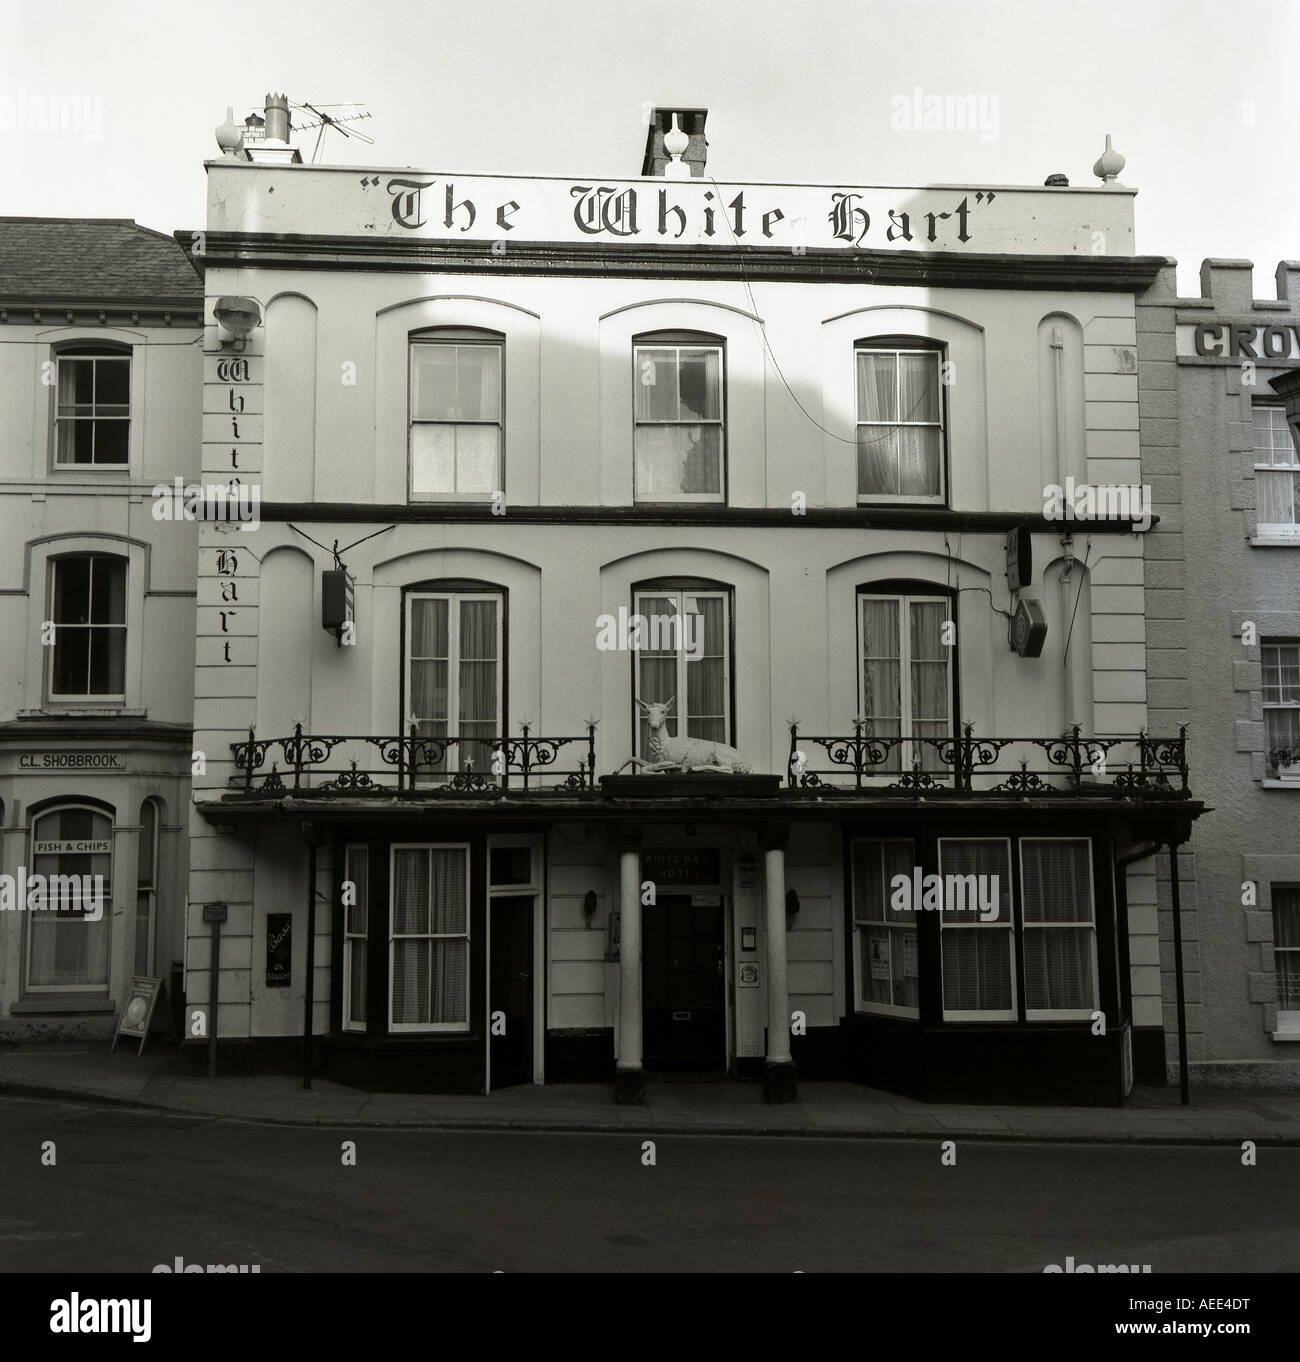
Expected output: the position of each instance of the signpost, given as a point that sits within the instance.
(216, 914)
(137, 1011)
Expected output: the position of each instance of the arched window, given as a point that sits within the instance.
(68, 897)
(679, 412)
(900, 420)
(92, 406)
(457, 414)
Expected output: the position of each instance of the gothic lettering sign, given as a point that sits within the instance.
(700, 212)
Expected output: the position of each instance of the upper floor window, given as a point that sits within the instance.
(88, 657)
(1280, 673)
(906, 680)
(684, 657)
(457, 406)
(900, 423)
(92, 417)
(679, 435)
(1277, 473)
(454, 673)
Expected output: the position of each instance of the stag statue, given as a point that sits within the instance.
(682, 754)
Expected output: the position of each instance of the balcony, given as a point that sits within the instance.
(1072, 765)
(413, 765)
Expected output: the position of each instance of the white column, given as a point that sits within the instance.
(778, 989)
(629, 950)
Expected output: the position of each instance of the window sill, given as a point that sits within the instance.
(74, 709)
(1283, 1037)
(1271, 784)
(1275, 541)
(61, 1004)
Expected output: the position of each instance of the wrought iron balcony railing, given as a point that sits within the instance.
(1136, 765)
(318, 763)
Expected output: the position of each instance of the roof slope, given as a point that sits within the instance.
(92, 259)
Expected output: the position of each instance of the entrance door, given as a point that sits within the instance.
(511, 991)
(685, 1023)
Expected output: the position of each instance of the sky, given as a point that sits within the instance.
(107, 107)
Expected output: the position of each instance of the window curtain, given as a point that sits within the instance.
(410, 927)
(877, 402)
(1058, 926)
(976, 955)
(706, 679)
(1286, 946)
(657, 672)
(887, 964)
(928, 666)
(478, 719)
(66, 950)
(430, 966)
(918, 446)
(429, 652)
(676, 387)
(882, 698)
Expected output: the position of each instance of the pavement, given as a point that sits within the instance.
(85, 1071)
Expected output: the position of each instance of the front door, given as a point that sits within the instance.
(510, 1024)
(685, 1023)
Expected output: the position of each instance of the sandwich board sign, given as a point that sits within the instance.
(137, 1011)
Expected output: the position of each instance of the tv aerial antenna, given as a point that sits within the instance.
(324, 120)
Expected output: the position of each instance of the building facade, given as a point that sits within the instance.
(100, 361)
(661, 647)
(1220, 375)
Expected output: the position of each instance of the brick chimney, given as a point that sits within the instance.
(659, 158)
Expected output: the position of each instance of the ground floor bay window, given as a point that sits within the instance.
(68, 898)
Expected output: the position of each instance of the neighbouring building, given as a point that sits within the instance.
(101, 360)
(1220, 400)
(807, 499)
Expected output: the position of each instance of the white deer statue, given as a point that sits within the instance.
(682, 754)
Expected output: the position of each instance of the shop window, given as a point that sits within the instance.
(906, 676)
(455, 647)
(88, 610)
(68, 899)
(1277, 473)
(146, 887)
(457, 415)
(900, 425)
(1060, 940)
(679, 444)
(429, 938)
(885, 958)
(356, 920)
(1280, 674)
(978, 944)
(92, 417)
(1286, 954)
(684, 656)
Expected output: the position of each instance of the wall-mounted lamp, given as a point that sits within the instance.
(791, 907)
(589, 903)
(237, 318)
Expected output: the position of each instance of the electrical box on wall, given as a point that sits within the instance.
(1020, 558)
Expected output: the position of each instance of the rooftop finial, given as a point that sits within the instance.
(1108, 164)
(675, 144)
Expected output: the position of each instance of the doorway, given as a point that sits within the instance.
(510, 990)
(683, 994)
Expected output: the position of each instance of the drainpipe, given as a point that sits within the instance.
(1178, 977)
(309, 992)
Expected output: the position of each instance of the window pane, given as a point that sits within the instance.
(478, 383)
(1283, 727)
(433, 460)
(700, 387)
(976, 971)
(1057, 886)
(511, 865)
(112, 384)
(1286, 946)
(76, 387)
(877, 386)
(71, 665)
(433, 383)
(450, 974)
(918, 381)
(107, 660)
(108, 591)
(410, 891)
(987, 859)
(111, 440)
(410, 982)
(357, 872)
(1058, 969)
(477, 462)
(656, 384)
(428, 627)
(449, 889)
(917, 450)
(881, 674)
(672, 461)
(1279, 497)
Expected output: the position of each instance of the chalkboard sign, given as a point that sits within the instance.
(137, 1011)
(279, 949)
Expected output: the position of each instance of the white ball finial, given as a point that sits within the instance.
(675, 144)
(1108, 164)
(230, 136)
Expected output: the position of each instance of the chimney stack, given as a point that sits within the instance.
(272, 147)
(675, 147)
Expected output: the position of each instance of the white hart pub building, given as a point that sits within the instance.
(745, 482)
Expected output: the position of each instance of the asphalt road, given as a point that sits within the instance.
(132, 1189)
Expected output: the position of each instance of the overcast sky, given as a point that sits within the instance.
(1199, 96)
